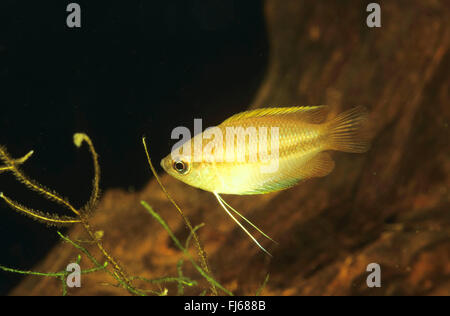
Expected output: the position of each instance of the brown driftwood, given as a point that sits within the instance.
(390, 206)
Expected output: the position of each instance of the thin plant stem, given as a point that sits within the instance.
(206, 275)
(201, 252)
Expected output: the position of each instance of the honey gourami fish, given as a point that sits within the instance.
(295, 140)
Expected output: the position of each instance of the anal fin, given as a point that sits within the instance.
(318, 166)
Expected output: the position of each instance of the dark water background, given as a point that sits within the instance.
(134, 68)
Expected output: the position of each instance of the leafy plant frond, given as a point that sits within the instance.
(79, 139)
(201, 252)
(13, 165)
(209, 278)
(43, 217)
(82, 215)
(4, 169)
(181, 280)
(62, 275)
(180, 275)
(263, 285)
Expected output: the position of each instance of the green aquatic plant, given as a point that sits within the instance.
(61, 275)
(82, 216)
(200, 249)
(209, 278)
(79, 215)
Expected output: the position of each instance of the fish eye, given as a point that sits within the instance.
(180, 166)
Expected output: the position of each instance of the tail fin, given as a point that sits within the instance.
(347, 131)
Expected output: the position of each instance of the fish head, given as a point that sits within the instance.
(194, 173)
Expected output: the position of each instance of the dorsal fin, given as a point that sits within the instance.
(310, 114)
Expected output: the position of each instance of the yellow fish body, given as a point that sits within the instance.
(266, 150)
(303, 138)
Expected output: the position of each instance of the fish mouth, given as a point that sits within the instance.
(163, 164)
(166, 164)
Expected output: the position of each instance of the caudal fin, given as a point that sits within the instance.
(348, 132)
